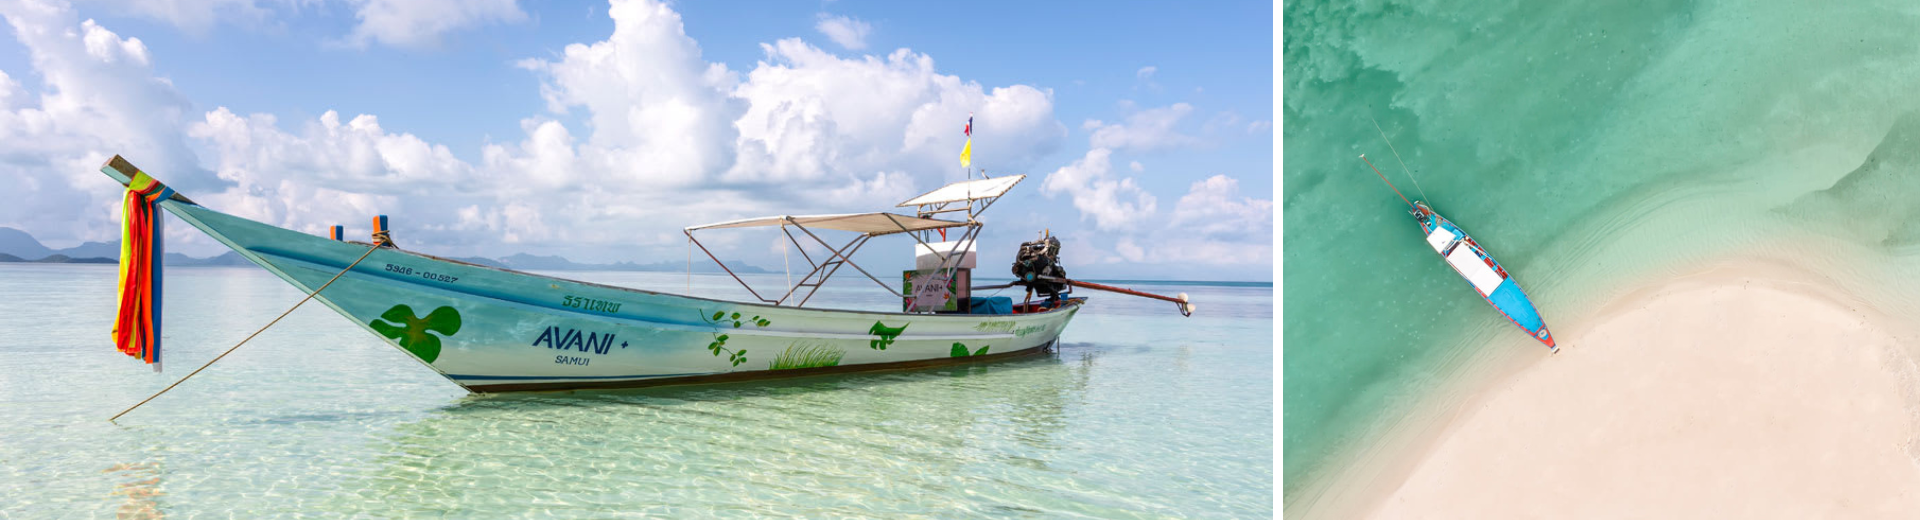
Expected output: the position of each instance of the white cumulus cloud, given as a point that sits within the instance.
(813, 115)
(641, 137)
(660, 114)
(97, 97)
(1111, 204)
(420, 23)
(1214, 207)
(196, 16)
(1151, 129)
(848, 32)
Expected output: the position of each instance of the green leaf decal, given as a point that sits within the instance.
(444, 320)
(415, 334)
(721, 320)
(960, 350)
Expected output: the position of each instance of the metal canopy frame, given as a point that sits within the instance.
(822, 270)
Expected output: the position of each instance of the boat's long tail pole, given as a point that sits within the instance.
(1383, 178)
(363, 256)
(1186, 307)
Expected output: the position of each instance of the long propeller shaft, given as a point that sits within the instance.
(1186, 307)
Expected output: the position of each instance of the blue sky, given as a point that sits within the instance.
(497, 127)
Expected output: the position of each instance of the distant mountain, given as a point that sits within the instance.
(525, 262)
(57, 258)
(224, 259)
(677, 267)
(17, 243)
(19, 246)
(489, 262)
(93, 250)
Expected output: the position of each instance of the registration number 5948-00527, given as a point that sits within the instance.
(428, 275)
(591, 304)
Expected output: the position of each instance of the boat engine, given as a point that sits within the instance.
(1037, 260)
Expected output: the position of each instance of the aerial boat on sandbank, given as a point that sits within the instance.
(1473, 264)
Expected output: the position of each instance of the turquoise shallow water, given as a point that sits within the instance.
(1586, 145)
(1141, 413)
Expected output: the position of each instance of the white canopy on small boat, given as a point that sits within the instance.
(965, 191)
(871, 224)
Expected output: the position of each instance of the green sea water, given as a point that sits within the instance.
(1587, 145)
(1140, 414)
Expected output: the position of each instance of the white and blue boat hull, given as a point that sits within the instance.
(490, 329)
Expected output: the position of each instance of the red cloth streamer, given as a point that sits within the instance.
(136, 328)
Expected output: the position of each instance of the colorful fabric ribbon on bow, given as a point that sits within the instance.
(136, 328)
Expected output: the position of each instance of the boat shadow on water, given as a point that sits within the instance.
(734, 391)
(743, 447)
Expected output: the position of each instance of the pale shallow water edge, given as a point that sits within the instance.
(1141, 414)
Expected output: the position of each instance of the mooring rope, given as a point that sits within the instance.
(1396, 157)
(381, 239)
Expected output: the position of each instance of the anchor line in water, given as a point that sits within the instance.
(1396, 158)
(1383, 178)
(379, 240)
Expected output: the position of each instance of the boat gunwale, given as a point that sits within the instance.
(760, 375)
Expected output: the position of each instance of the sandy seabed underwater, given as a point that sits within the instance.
(317, 417)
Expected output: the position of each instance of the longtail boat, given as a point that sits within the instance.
(490, 329)
(1478, 268)
(1486, 276)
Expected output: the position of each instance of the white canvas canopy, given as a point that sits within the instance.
(966, 191)
(871, 224)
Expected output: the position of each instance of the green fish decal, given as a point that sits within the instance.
(885, 335)
(413, 333)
